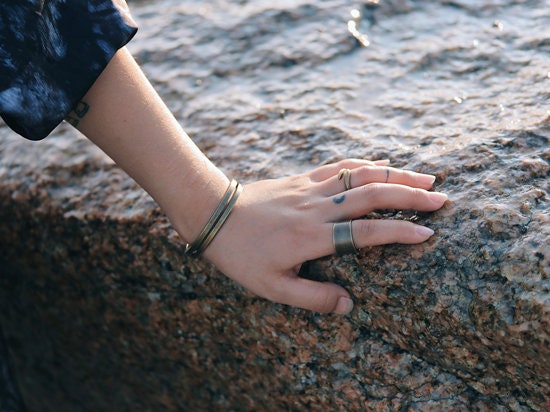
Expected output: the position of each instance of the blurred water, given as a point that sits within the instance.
(286, 80)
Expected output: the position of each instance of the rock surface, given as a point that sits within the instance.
(101, 311)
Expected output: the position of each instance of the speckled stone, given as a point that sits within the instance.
(102, 311)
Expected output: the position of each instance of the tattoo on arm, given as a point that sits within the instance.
(339, 200)
(78, 113)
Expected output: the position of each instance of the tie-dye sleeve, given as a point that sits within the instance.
(51, 52)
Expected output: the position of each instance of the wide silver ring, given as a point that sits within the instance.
(342, 238)
(346, 175)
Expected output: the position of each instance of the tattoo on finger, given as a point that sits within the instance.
(339, 199)
(387, 175)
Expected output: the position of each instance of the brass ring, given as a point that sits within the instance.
(346, 174)
(342, 238)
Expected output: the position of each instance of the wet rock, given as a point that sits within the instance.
(101, 310)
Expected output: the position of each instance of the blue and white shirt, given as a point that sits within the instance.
(51, 52)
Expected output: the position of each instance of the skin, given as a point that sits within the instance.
(277, 224)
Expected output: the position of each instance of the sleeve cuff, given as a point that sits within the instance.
(51, 53)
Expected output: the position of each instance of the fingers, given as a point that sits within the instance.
(307, 294)
(331, 298)
(383, 232)
(279, 224)
(376, 232)
(376, 174)
(326, 172)
(362, 200)
(364, 175)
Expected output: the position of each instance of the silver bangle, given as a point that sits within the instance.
(216, 221)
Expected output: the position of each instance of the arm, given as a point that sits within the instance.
(126, 118)
(277, 224)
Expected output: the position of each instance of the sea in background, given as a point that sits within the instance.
(294, 83)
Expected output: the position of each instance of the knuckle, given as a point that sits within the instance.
(401, 174)
(275, 292)
(373, 191)
(305, 205)
(418, 193)
(325, 301)
(364, 229)
(367, 171)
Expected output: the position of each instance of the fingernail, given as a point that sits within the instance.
(424, 231)
(437, 198)
(427, 180)
(344, 306)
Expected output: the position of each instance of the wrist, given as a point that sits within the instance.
(196, 197)
(216, 221)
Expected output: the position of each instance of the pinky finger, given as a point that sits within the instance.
(382, 232)
(327, 171)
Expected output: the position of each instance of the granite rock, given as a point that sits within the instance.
(101, 310)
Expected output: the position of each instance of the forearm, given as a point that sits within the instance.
(125, 117)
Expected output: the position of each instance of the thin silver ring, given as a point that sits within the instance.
(346, 174)
(342, 238)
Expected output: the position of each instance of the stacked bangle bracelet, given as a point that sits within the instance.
(216, 221)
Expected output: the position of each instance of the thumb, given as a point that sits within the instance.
(321, 297)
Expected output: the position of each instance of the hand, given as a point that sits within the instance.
(277, 225)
